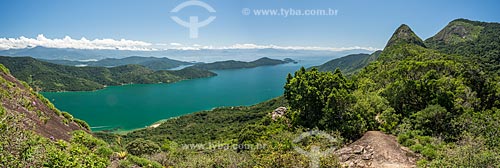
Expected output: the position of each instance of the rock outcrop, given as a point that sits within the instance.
(378, 150)
(35, 112)
(278, 112)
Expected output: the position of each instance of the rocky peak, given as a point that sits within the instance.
(404, 34)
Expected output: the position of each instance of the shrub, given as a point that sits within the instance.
(82, 123)
(67, 115)
(87, 140)
(140, 147)
(4, 69)
(104, 151)
(169, 146)
(133, 161)
(470, 152)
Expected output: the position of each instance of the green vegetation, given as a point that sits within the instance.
(21, 148)
(4, 69)
(240, 64)
(222, 137)
(437, 101)
(442, 106)
(219, 124)
(404, 35)
(140, 146)
(27, 142)
(349, 64)
(439, 104)
(52, 77)
(476, 41)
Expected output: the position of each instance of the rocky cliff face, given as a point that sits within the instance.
(34, 111)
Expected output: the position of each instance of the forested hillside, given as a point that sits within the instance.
(349, 64)
(476, 41)
(148, 62)
(231, 64)
(44, 76)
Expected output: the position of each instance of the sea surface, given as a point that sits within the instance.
(128, 107)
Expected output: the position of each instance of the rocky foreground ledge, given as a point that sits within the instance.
(377, 149)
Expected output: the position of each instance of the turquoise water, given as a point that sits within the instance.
(137, 106)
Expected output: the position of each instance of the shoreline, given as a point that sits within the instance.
(152, 125)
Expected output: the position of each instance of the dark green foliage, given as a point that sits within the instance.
(432, 120)
(53, 77)
(412, 77)
(349, 64)
(313, 94)
(140, 147)
(239, 64)
(326, 100)
(218, 124)
(192, 73)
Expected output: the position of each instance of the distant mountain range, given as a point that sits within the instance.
(203, 55)
(47, 76)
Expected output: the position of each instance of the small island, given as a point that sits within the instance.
(232, 64)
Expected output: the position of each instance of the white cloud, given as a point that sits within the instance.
(175, 44)
(68, 42)
(123, 44)
(255, 46)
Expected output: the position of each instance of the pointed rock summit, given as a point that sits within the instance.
(404, 35)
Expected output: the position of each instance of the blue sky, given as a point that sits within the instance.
(366, 23)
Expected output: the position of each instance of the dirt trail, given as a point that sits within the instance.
(376, 149)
